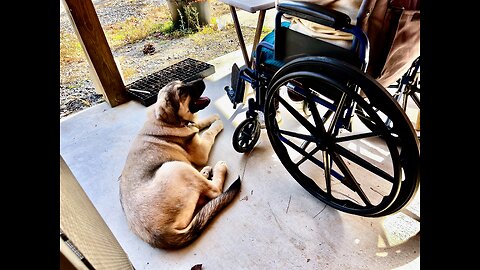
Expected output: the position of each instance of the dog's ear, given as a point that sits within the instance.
(157, 110)
(167, 105)
(183, 91)
(198, 83)
(195, 88)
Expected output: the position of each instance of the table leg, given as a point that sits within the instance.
(258, 33)
(240, 35)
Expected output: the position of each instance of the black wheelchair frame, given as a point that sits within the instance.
(333, 82)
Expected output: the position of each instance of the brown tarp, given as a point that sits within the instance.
(393, 28)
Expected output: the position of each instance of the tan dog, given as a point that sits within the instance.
(162, 194)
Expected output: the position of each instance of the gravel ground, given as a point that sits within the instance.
(77, 91)
(113, 11)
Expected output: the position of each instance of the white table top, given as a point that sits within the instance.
(251, 6)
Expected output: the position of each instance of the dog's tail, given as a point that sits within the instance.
(205, 215)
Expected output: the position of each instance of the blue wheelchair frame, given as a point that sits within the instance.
(259, 80)
(405, 162)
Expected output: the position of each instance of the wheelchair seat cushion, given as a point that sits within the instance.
(268, 56)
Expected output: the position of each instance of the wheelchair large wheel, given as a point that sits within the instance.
(368, 170)
(246, 135)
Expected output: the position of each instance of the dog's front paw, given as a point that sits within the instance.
(215, 117)
(212, 118)
(217, 125)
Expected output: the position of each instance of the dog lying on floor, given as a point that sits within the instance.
(166, 200)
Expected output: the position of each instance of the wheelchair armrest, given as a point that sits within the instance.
(315, 13)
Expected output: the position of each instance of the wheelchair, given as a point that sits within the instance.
(353, 147)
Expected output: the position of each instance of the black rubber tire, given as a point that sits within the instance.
(329, 78)
(246, 135)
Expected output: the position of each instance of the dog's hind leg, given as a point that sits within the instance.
(219, 174)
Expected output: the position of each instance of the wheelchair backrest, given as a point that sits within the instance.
(291, 44)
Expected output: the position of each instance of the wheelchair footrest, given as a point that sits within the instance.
(237, 86)
(231, 95)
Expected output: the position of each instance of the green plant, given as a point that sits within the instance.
(182, 21)
(165, 28)
(189, 14)
(192, 17)
(188, 21)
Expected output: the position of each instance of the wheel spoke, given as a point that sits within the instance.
(244, 136)
(385, 129)
(349, 179)
(299, 117)
(305, 145)
(336, 116)
(310, 157)
(327, 115)
(313, 152)
(357, 136)
(328, 180)
(313, 109)
(308, 138)
(416, 99)
(363, 163)
(248, 129)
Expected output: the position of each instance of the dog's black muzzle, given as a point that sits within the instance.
(195, 89)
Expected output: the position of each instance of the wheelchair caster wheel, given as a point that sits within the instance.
(246, 135)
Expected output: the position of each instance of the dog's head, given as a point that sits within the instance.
(177, 102)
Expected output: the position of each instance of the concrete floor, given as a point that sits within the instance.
(273, 224)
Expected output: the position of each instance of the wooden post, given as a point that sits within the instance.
(89, 31)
